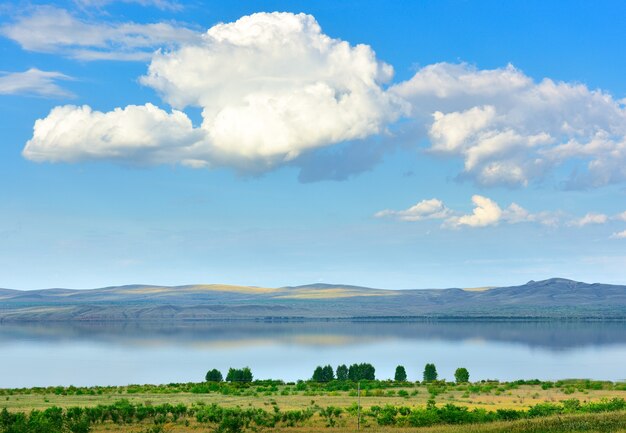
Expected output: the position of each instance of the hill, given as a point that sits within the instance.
(553, 298)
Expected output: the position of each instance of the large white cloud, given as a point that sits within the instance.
(274, 89)
(511, 130)
(143, 133)
(270, 85)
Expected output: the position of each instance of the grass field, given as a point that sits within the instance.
(332, 406)
(587, 423)
(490, 396)
(314, 399)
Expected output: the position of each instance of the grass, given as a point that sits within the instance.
(306, 396)
(588, 423)
(489, 396)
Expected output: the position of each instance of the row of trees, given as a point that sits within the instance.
(355, 372)
(366, 371)
(234, 375)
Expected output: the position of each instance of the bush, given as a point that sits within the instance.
(331, 414)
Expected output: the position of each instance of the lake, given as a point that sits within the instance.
(85, 354)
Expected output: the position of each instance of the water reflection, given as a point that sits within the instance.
(548, 335)
(37, 354)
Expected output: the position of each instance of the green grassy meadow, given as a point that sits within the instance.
(522, 406)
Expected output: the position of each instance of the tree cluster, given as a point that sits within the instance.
(239, 375)
(323, 374)
(355, 373)
(362, 371)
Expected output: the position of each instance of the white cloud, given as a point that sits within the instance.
(485, 213)
(425, 209)
(590, 218)
(53, 30)
(510, 130)
(270, 85)
(159, 4)
(33, 82)
(621, 216)
(619, 235)
(515, 214)
(143, 133)
(273, 87)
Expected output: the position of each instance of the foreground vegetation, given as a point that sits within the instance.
(126, 416)
(306, 406)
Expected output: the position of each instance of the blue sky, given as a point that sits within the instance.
(404, 145)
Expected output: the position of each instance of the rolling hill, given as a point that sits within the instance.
(554, 298)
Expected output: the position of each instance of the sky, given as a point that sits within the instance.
(385, 144)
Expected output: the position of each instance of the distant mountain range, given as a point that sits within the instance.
(556, 298)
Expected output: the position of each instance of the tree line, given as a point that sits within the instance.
(234, 375)
(365, 371)
(355, 373)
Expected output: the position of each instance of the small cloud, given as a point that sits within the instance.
(515, 214)
(590, 218)
(53, 30)
(486, 213)
(34, 82)
(619, 235)
(621, 216)
(425, 209)
(164, 5)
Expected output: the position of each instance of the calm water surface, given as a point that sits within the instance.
(119, 354)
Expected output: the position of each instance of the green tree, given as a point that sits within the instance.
(318, 374)
(362, 371)
(430, 373)
(461, 375)
(323, 374)
(400, 375)
(342, 372)
(328, 373)
(246, 374)
(239, 375)
(214, 376)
